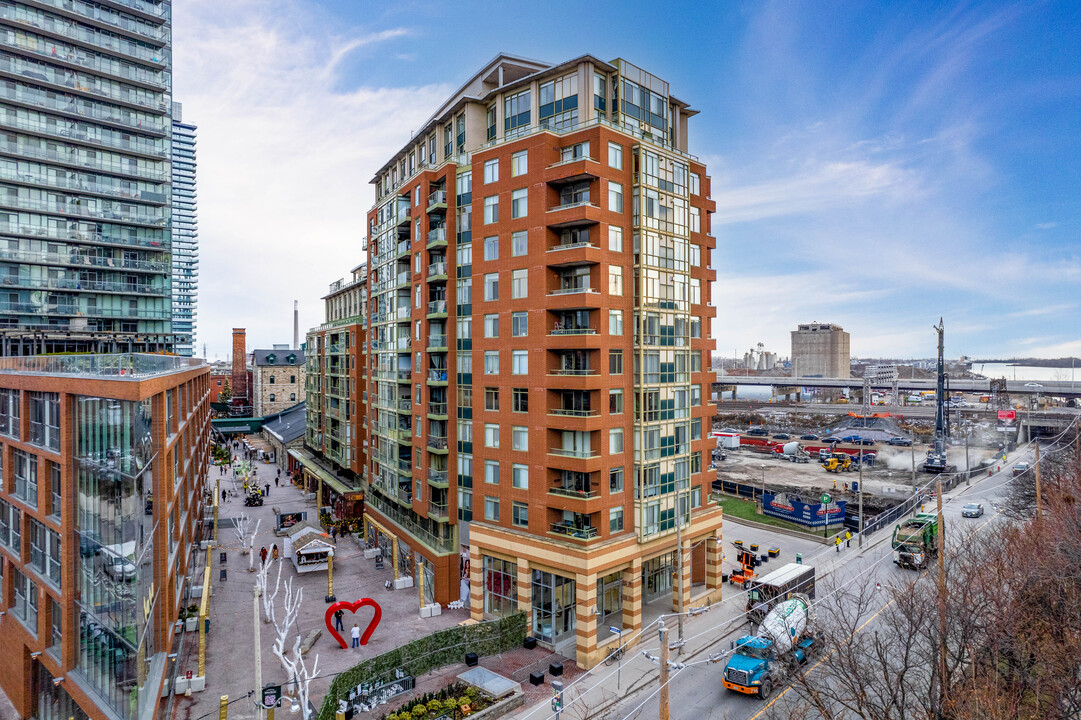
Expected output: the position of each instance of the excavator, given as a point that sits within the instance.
(838, 462)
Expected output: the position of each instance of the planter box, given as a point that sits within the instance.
(403, 582)
(425, 611)
(191, 624)
(371, 552)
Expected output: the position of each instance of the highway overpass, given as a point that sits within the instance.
(1057, 388)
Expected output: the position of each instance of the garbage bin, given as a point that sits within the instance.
(799, 558)
(206, 626)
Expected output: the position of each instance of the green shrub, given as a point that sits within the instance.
(471, 693)
(435, 706)
(450, 705)
(420, 711)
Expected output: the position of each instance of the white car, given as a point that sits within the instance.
(1033, 385)
(119, 568)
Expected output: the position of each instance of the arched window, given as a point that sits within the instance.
(271, 397)
(271, 379)
(292, 396)
(292, 379)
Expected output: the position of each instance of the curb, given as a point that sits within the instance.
(782, 530)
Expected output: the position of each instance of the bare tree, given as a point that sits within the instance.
(262, 579)
(241, 526)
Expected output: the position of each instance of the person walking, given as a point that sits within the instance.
(837, 541)
(338, 615)
(223, 495)
(274, 552)
(268, 489)
(262, 554)
(355, 633)
(334, 534)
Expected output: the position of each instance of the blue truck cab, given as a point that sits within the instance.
(754, 667)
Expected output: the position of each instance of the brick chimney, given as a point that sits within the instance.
(240, 365)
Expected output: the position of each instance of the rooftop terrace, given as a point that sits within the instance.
(120, 366)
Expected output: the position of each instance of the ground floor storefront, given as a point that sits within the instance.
(434, 576)
(581, 598)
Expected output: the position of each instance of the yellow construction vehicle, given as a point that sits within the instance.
(838, 462)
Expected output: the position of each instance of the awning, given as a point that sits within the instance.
(322, 474)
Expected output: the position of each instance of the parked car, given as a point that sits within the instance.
(119, 568)
(782, 436)
(899, 441)
(757, 431)
(864, 441)
(831, 441)
(1020, 468)
(728, 430)
(851, 439)
(972, 510)
(808, 436)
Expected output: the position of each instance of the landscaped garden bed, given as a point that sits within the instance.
(453, 702)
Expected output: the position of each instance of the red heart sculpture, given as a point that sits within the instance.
(353, 607)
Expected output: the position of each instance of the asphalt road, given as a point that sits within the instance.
(696, 692)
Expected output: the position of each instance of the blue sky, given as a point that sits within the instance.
(875, 165)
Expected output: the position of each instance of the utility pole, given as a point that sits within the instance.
(941, 601)
(681, 560)
(968, 468)
(663, 632)
(258, 651)
(860, 493)
(1039, 505)
(913, 447)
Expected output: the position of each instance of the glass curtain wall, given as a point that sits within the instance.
(553, 607)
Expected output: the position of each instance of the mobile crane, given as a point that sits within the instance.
(936, 456)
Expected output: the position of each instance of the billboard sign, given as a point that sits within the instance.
(793, 508)
(1008, 415)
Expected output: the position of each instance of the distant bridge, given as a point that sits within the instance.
(1057, 388)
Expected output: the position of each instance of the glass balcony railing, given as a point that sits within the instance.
(74, 182)
(560, 329)
(76, 208)
(438, 197)
(110, 90)
(583, 532)
(437, 408)
(73, 132)
(574, 412)
(438, 374)
(76, 310)
(574, 452)
(438, 477)
(108, 16)
(55, 233)
(437, 235)
(437, 268)
(83, 285)
(73, 157)
(83, 107)
(79, 259)
(575, 492)
(77, 56)
(84, 34)
(437, 306)
(437, 341)
(574, 371)
(437, 442)
(131, 365)
(572, 291)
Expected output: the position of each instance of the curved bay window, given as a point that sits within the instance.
(500, 587)
(553, 608)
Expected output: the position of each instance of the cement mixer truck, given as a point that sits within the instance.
(785, 640)
(792, 452)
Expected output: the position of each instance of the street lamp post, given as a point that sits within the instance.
(763, 466)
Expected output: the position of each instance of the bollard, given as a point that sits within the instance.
(223, 707)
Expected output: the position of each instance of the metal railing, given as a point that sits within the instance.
(573, 492)
(437, 268)
(573, 371)
(562, 452)
(567, 412)
(570, 530)
(437, 408)
(437, 341)
(573, 331)
(438, 197)
(437, 442)
(122, 365)
(572, 291)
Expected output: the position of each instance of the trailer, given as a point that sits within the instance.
(778, 586)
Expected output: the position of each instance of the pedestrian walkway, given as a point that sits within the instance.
(230, 658)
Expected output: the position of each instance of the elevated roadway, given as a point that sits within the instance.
(1057, 388)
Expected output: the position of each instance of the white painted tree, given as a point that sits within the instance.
(284, 628)
(262, 579)
(298, 669)
(251, 546)
(241, 526)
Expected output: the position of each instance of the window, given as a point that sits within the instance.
(520, 400)
(465, 328)
(696, 256)
(615, 362)
(574, 152)
(491, 167)
(491, 398)
(615, 197)
(465, 363)
(26, 600)
(696, 184)
(271, 381)
(56, 502)
(615, 520)
(491, 435)
(615, 440)
(491, 286)
(491, 508)
(519, 284)
(491, 472)
(519, 163)
(465, 289)
(696, 429)
(45, 419)
(519, 206)
(615, 155)
(489, 117)
(10, 527)
(500, 586)
(519, 324)
(519, 243)
(292, 379)
(615, 280)
(465, 431)
(696, 395)
(615, 322)
(9, 413)
(558, 103)
(615, 402)
(292, 397)
(491, 362)
(26, 477)
(465, 397)
(519, 439)
(491, 325)
(696, 220)
(491, 210)
(516, 114)
(491, 248)
(271, 397)
(519, 362)
(520, 476)
(615, 238)
(520, 514)
(615, 480)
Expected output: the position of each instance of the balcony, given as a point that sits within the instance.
(574, 453)
(405, 466)
(413, 525)
(570, 171)
(438, 511)
(437, 201)
(437, 343)
(437, 237)
(79, 260)
(438, 409)
(437, 443)
(437, 376)
(404, 405)
(578, 214)
(437, 308)
(438, 478)
(574, 253)
(574, 298)
(437, 272)
(576, 531)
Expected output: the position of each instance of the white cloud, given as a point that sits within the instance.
(284, 158)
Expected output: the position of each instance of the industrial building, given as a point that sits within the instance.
(532, 370)
(104, 461)
(820, 350)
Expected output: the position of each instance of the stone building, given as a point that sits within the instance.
(277, 379)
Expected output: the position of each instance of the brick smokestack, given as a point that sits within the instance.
(240, 365)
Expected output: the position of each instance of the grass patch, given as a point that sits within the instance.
(747, 510)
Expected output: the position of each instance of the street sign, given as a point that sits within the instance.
(825, 498)
(272, 696)
(1007, 414)
(614, 630)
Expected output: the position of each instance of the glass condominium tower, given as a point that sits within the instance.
(185, 234)
(85, 176)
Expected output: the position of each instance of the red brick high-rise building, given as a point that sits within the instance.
(536, 371)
